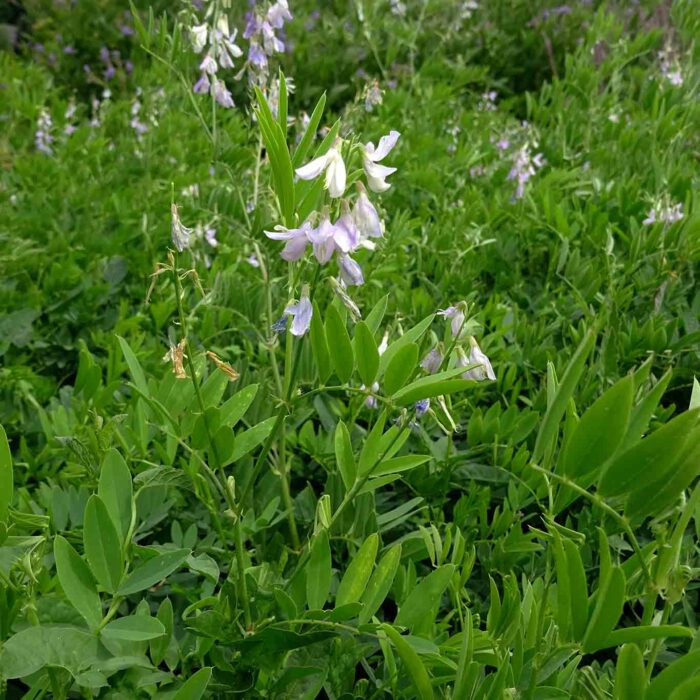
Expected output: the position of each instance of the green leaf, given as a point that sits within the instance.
(319, 346)
(282, 103)
(353, 583)
(366, 353)
(376, 315)
(134, 628)
(644, 633)
(77, 582)
(116, 491)
(578, 590)
(194, 687)
(339, 344)
(649, 460)
(318, 572)
(401, 368)
(630, 678)
(563, 609)
(6, 477)
(412, 663)
(695, 395)
(600, 431)
(102, 547)
(555, 411)
(608, 608)
(401, 464)
(371, 450)
(234, 409)
(310, 133)
(662, 493)
(380, 583)
(135, 370)
(643, 411)
(249, 439)
(688, 690)
(418, 610)
(412, 335)
(61, 646)
(673, 676)
(159, 645)
(433, 385)
(344, 456)
(152, 571)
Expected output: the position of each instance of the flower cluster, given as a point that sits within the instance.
(670, 68)
(524, 166)
(664, 213)
(214, 39)
(42, 137)
(356, 226)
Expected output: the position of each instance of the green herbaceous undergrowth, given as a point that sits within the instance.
(349, 505)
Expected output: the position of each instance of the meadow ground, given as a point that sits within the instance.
(349, 349)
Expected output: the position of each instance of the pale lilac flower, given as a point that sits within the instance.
(432, 362)
(350, 271)
(665, 214)
(256, 55)
(278, 14)
(253, 261)
(208, 65)
(210, 236)
(222, 94)
(203, 85)
(297, 239)
(524, 168)
(455, 314)
(180, 234)
(271, 42)
(422, 407)
(301, 314)
(398, 8)
(365, 216)
(377, 174)
(373, 96)
(332, 162)
(371, 400)
(346, 235)
(322, 238)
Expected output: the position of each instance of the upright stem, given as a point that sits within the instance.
(228, 496)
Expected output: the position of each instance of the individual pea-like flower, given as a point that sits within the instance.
(301, 314)
(334, 166)
(198, 35)
(366, 218)
(483, 369)
(202, 86)
(208, 65)
(432, 362)
(456, 316)
(322, 238)
(376, 173)
(422, 407)
(180, 234)
(371, 400)
(350, 271)
(297, 239)
(278, 14)
(222, 94)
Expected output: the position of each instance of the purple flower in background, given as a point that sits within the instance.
(256, 55)
(210, 236)
(202, 86)
(253, 261)
(455, 314)
(278, 14)
(43, 138)
(432, 362)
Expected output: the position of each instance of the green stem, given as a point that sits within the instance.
(621, 520)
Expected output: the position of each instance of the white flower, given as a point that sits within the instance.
(377, 174)
(366, 218)
(483, 369)
(332, 162)
(199, 37)
(180, 234)
(278, 14)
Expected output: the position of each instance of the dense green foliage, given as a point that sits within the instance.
(270, 523)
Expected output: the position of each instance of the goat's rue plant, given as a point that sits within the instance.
(350, 446)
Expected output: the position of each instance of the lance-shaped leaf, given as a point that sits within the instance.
(77, 582)
(101, 542)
